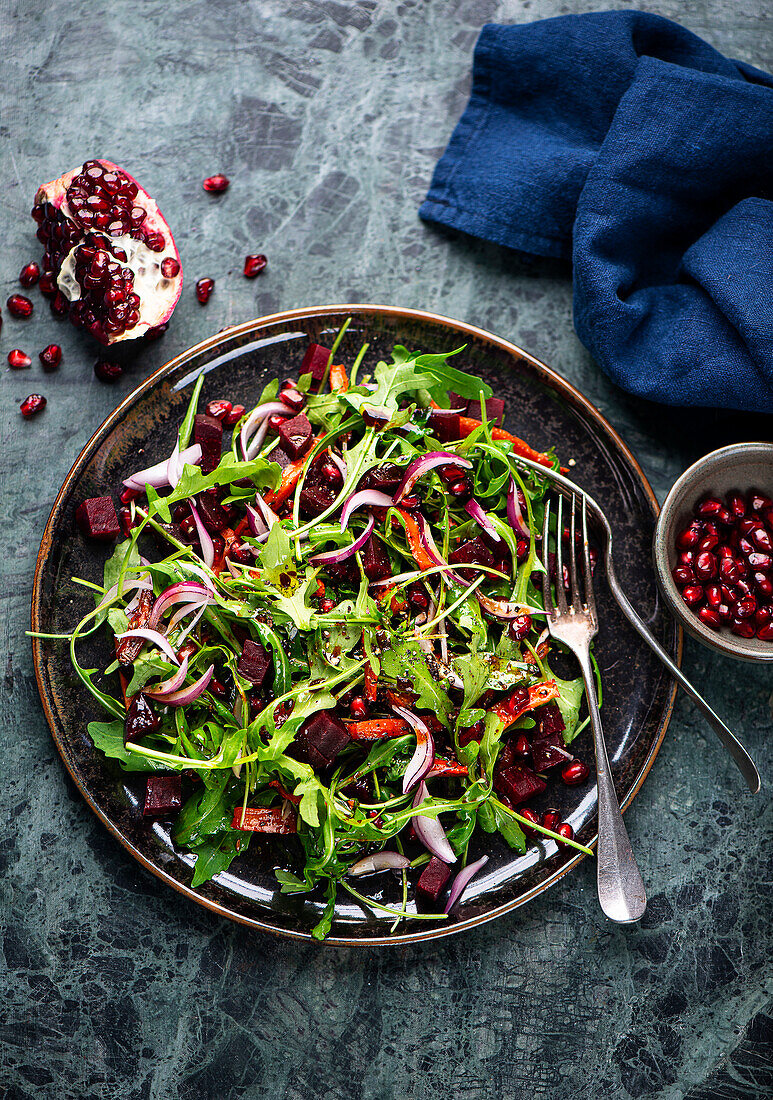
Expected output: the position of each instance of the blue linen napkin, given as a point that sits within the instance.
(629, 144)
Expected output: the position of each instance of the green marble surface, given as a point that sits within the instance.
(328, 117)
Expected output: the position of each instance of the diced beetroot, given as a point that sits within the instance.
(295, 435)
(315, 362)
(385, 478)
(163, 795)
(457, 402)
(281, 457)
(549, 721)
(433, 878)
(213, 514)
(495, 410)
(545, 752)
(474, 551)
(315, 499)
(98, 519)
(444, 424)
(254, 662)
(208, 432)
(140, 719)
(375, 560)
(321, 738)
(517, 783)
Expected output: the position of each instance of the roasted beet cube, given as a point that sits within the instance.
(546, 752)
(97, 519)
(140, 719)
(444, 424)
(383, 478)
(320, 739)
(295, 435)
(457, 402)
(315, 499)
(518, 783)
(213, 514)
(315, 363)
(375, 560)
(549, 721)
(433, 878)
(476, 552)
(254, 662)
(281, 457)
(495, 410)
(163, 796)
(208, 433)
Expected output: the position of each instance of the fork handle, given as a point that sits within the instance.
(743, 761)
(620, 886)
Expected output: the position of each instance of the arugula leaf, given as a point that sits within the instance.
(205, 813)
(217, 854)
(570, 696)
(508, 827)
(125, 553)
(404, 660)
(263, 473)
(324, 925)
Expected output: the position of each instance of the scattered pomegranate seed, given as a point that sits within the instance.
(219, 409)
(522, 747)
(326, 605)
(59, 305)
(705, 566)
(204, 288)
(107, 371)
(157, 331)
(692, 594)
(275, 422)
(126, 495)
(575, 772)
(765, 633)
(551, 819)
(530, 816)
(253, 265)
(19, 306)
(29, 274)
(519, 627)
(234, 416)
(709, 617)
(170, 267)
(358, 708)
(50, 357)
(155, 241)
(743, 628)
(216, 183)
(33, 404)
(48, 286)
(294, 399)
(565, 830)
(18, 360)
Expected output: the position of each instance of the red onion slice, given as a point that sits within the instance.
(428, 542)
(207, 545)
(424, 757)
(192, 624)
(514, 513)
(339, 462)
(365, 498)
(475, 511)
(258, 417)
(157, 475)
(502, 609)
(128, 586)
(189, 694)
(167, 687)
(379, 861)
(182, 613)
(269, 515)
(335, 557)
(462, 880)
(153, 636)
(182, 592)
(430, 832)
(423, 464)
(255, 520)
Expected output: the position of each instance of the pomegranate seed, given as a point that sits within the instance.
(705, 566)
(758, 502)
(565, 830)
(48, 284)
(708, 542)
(763, 614)
(517, 700)
(326, 605)
(275, 421)
(155, 241)
(219, 409)
(358, 708)
(410, 502)
(736, 504)
(765, 633)
(332, 476)
(729, 571)
(743, 628)
(746, 526)
(107, 371)
(234, 416)
(683, 574)
(289, 384)
(294, 399)
(746, 607)
(530, 816)
(692, 594)
(19, 306)
(157, 331)
(723, 552)
(760, 561)
(686, 557)
(763, 584)
(551, 819)
(761, 540)
(710, 506)
(204, 288)
(127, 495)
(33, 404)
(743, 588)
(59, 305)
(253, 265)
(216, 183)
(522, 746)
(50, 357)
(725, 612)
(726, 518)
(170, 267)
(520, 627)
(689, 538)
(713, 595)
(575, 772)
(18, 360)
(125, 519)
(460, 489)
(709, 617)
(29, 274)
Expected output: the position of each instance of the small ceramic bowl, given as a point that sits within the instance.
(740, 466)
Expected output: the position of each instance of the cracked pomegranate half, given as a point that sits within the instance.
(108, 247)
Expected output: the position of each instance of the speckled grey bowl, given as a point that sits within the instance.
(741, 466)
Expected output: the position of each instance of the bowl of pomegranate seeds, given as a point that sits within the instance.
(714, 550)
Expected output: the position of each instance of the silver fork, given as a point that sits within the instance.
(620, 887)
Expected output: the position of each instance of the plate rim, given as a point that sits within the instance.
(555, 380)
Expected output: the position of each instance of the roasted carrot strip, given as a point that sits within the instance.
(227, 535)
(255, 819)
(294, 798)
(468, 424)
(290, 477)
(377, 729)
(539, 694)
(338, 379)
(447, 767)
(420, 555)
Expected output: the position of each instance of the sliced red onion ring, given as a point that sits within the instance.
(192, 624)
(462, 880)
(201, 574)
(475, 511)
(379, 861)
(153, 636)
(502, 609)
(189, 694)
(167, 687)
(423, 464)
(207, 545)
(335, 557)
(255, 520)
(257, 417)
(428, 542)
(514, 513)
(172, 470)
(157, 475)
(365, 498)
(424, 757)
(269, 515)
(339, 462)
(128, 586)
(183, 612)
(429, 830)
(182, 592)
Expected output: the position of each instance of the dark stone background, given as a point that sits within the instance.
(328, 117)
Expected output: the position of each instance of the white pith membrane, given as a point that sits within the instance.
(156, 292)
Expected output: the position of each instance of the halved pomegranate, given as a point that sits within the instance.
(109, 247)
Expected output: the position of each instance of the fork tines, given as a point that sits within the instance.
(561, 601)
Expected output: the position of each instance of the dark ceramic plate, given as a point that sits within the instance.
(543, 408)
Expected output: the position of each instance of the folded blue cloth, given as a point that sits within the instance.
(625, 142)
